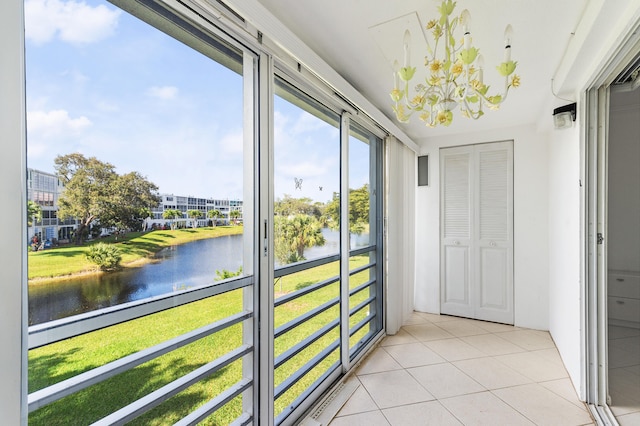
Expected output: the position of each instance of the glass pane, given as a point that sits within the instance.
(365, 282)
(362, 168)
(135, 147)
(139, 133)
(324, 325)
(306, 227)
(306, 177)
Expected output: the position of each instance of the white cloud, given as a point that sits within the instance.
(74, 22)
(307, 123)
(76, 76)
(107, 106)
(163, 92)
(307, 169)
(55, 122)
(233, 142)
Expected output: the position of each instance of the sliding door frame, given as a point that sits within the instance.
(594, 164)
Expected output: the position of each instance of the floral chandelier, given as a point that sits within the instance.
(456, 78)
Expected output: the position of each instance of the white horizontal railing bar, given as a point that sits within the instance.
(244, 420)
(331, 374)
(294, 350)
(310, 365)
(362, 250)
(305, 317)
(54, 331)
(361, 287)
(74, 384)
(210, 407)
(362, 268)
(364, 345)
(305, 264)
(361, 306)
(159, 396)
(296, 294)
(361, 324)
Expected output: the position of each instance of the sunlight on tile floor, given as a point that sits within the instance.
(442, 370)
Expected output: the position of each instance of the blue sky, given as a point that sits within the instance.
(102, 83)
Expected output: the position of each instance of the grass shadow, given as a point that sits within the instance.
(304, 284)
(59, 253)
(42, 369)
(100, 400)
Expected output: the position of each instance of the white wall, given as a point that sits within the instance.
(531, 263)
(12, 215)
(565, 305)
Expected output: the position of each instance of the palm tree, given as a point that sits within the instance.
(171, 215)
(194, 214)
(214, 215)
(293, 234)
(234, 215)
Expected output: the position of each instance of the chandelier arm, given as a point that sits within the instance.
(503, 96)
(406, 92)
(473, 114)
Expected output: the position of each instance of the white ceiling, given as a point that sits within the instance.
(347, 35)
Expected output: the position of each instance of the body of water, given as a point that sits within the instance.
(174, 268)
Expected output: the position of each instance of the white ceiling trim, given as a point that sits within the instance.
(601, 33)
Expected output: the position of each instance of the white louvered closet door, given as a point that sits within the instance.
(477, 231)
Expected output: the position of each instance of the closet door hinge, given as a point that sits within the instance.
(600, 238)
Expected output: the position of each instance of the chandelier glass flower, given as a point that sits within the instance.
(454, 78)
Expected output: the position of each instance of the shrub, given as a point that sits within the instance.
(226, 274)
(105, 256)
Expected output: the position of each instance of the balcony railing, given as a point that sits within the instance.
(69, 328)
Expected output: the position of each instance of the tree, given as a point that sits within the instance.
(288, 206)
(93, 191)
(234, 215)
(129, 203)
(293, 234)
(146, 213)
(171, 215)
(34, 213)
(214, 214)
(194, 215)
(358, 210)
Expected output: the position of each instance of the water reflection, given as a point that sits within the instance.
(174, 268)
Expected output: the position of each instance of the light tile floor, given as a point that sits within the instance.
(624, 374)
(443, 370)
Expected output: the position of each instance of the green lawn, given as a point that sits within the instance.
(67, 260)
(65, 359)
